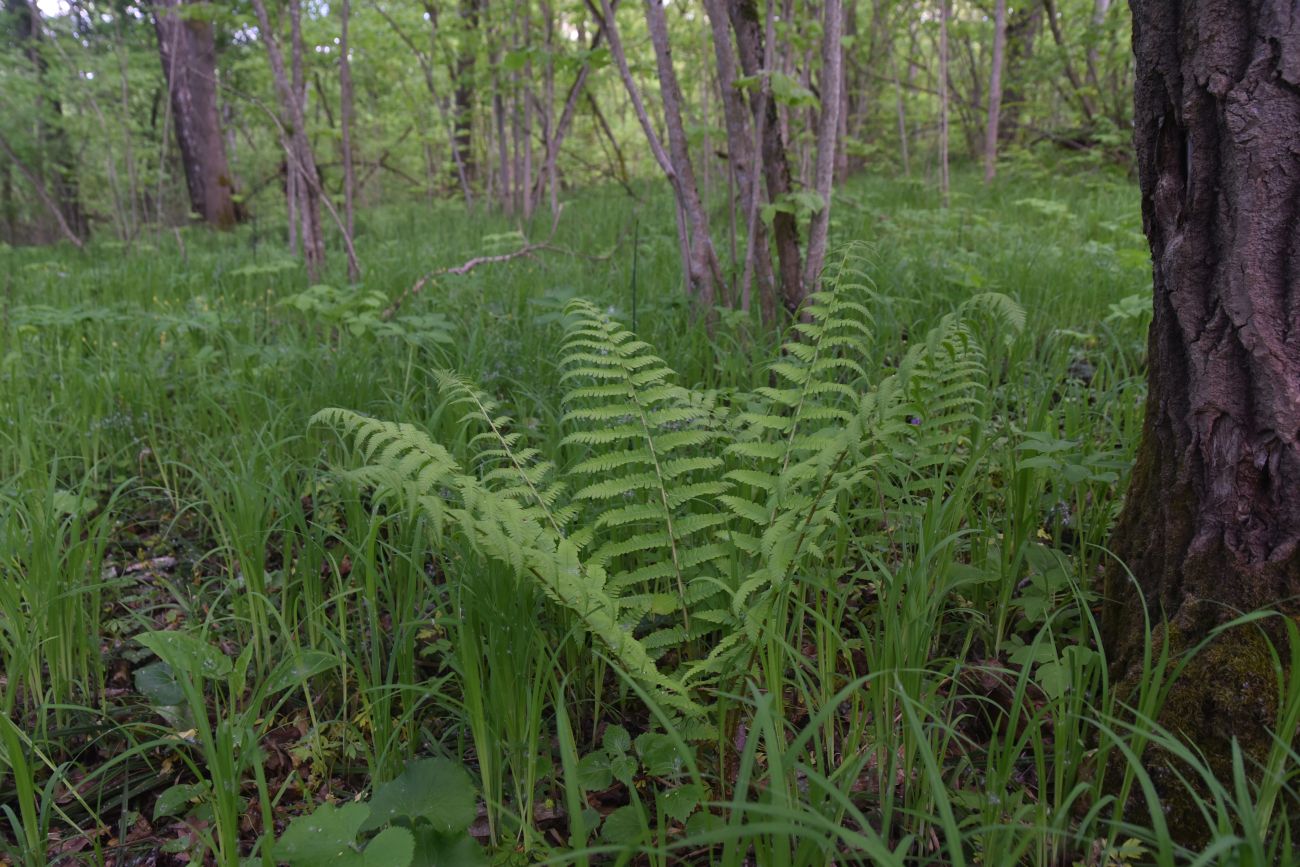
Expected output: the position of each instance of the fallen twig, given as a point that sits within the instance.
(465, 267)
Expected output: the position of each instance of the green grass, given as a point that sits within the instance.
(935, 697)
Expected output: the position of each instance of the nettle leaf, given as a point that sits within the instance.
(680, 802)
(623, 826)
(659, 754)
(435, 790)
(187, 654)
(594, 772)
(617, 740)
(326, 838)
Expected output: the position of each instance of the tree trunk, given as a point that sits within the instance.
(189, 62)
(1022, 28)
(743, 158)
(995, 91)
(38, 186)
(463, 92)
(943, 101)
(703, 266)
(827, 138)
(301, 160)
(1211, 523)
(757, 52)
(62, 182)
(345, 131)
(1054, 23)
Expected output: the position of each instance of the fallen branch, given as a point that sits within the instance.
(528, 249)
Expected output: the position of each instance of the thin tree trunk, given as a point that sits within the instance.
(741, 148)
(757, 51)
(900, 104)
(345, 131)
(302, 162)
(1053, 22)
(652, 138)
(703, 269)
(827, 138)
(1022, 28)
(1092, 57)
(943, 101)
(463, 91)
(1211, 521)
(995, 91)
(38, 186)
(63, 188)
(425, 62)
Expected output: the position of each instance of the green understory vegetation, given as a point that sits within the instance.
(541, 568)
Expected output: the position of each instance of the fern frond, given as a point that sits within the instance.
(650, 474)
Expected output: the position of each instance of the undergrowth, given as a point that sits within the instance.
(663, 596)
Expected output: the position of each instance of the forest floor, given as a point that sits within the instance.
(206, 631)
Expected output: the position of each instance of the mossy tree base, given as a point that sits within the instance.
(1211, 526)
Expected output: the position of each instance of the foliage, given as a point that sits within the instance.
(892, 659)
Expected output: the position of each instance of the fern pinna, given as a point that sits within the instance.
(673, 524)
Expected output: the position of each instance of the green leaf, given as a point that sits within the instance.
(659, 754)
(187, 654)
(326, 838)
(616, 740)
(175, 800)
(594, 772)
(680, 802)
(436, 790)
(157, 683)
(434, 849)
(296, 670)
(393, 847)
(623, 826)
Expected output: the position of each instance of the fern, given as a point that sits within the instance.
(649, 482)
(672, 521)
(403, 464)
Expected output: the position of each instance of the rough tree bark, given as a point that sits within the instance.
(1211, 524)
(189, 62)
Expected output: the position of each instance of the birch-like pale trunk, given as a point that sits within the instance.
(345, 130)
(827, 138)
(943, 101)
(995, 92)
